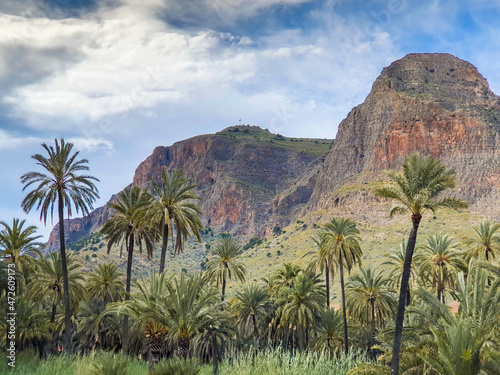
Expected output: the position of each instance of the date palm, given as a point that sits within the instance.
(224, 263)
(105, 283)
(486, 243)
(20, 246)
(173, 206)
(127, 228)
(326, 263)
(369, 298)
(416, 189)
(437, 260)
(302, 305)
(342, 236)
(252, 307)
(463, 338)
(284, 277)
(48, 282)
(61, 182)
(329, 331)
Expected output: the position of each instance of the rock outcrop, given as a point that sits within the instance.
(436, 104)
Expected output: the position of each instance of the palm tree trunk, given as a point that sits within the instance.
(327, 278)
(125, 338)
(215, 353)
(373, 317)
(300, 332)
(62, 244)
(344, 312)
(164, 248)
(255, 330)
(223, 288)
(183, 346)
(402, 294)
(439, 288)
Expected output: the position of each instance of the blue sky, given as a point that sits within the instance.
(119, 77)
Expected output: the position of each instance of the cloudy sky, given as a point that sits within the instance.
(119, 77)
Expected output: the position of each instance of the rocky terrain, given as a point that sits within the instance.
(250, 180)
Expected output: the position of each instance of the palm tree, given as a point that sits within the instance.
(252, 306)
(396, 261)
(326, 263)
(437, 260)
(64, 184)
(224, 263)
(284, 276)
(486, 243)
(172, 205)
(48, 282)
(105, 283)
(342, 236)
(301, 306)
(416, 190)
(462, 338)
(127, 228)
(369, 298)
(20, 246)
(329, 331)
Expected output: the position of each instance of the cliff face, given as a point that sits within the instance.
(436, 104)
(250, 180)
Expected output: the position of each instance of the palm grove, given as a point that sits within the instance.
(392, 320)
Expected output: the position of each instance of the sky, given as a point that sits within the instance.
(120, 77)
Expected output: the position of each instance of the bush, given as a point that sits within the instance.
(254, 241)
(277, 230)
(108, 364)
(176, 366)
(369, 369)
(207, 246)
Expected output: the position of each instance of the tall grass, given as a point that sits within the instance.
(264, 362)
(275, 362)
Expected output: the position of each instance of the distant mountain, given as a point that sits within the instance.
(248, 178)
(251, 180)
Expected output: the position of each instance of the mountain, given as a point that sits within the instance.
(436, 104)
(251, 180)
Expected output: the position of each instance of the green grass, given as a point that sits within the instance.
(275, 362)
(272, 362)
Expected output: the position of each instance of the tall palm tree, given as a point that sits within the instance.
(369, 297)
(105, 283)
(63, 183)
(252, 306)
(127, 228)
(395, 261)
(437, 260)
(302, 305)
(326, 263)
(173, 206)
(486, 243)
(416, 189)
(20, 245)
(225, 264)
(342, 236)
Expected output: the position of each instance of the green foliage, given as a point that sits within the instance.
(108, 364)
(177, 366)
(367, 368)
(254, 241)
(277, 230)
